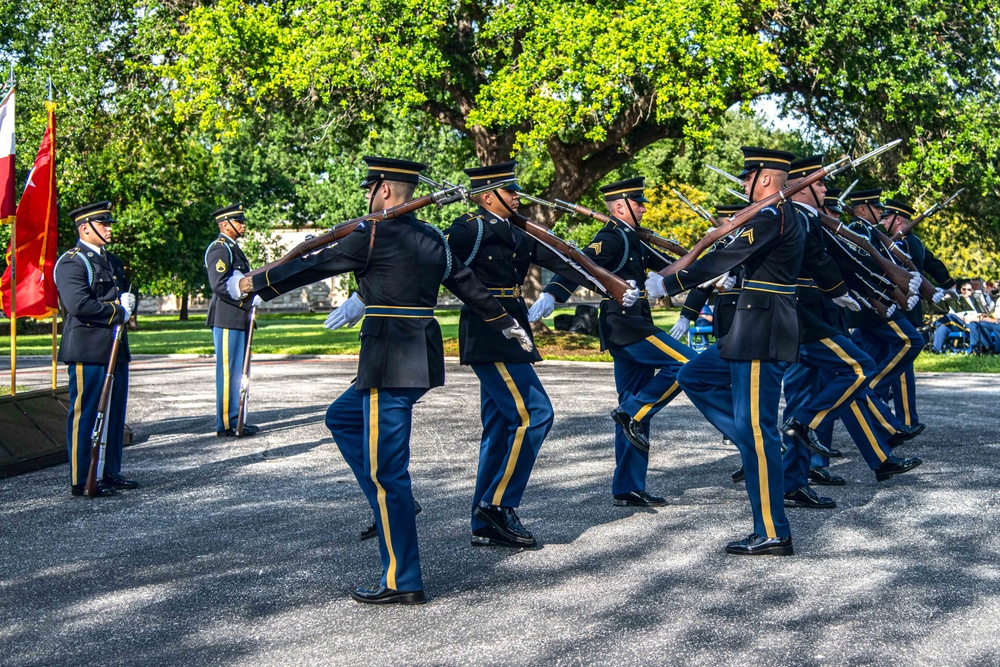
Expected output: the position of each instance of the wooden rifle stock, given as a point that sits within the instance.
(646, 235)
(343, 229)
(926, 289)
(241, 420)
(747, 214)
(897, 274)
(614, 286)
(99, 436)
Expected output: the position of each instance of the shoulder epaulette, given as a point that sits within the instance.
(218, 241)
(75, 252)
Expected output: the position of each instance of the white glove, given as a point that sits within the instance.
(912, 301)
(349, 313)
(847, 302)
(523, 339)
(915, 282)
(631, 296)
(938, 295)
(233, 285)
(726, 283)
(256, 301)
(127, 301)
(890, 310)
(680, 329)
(952, 292)
(543, 307)
(654, 286)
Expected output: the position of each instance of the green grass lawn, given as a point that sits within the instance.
(303, 333)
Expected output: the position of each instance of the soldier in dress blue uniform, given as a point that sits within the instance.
(229, 318)
(96, 294)
(896, 214)
(516, 411)
(400, 264)
(893, 343)
(646, 358)
(737, 383)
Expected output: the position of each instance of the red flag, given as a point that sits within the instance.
(37, 234)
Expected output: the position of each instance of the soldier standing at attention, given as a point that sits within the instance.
(95, 292)
(646, 357)
(737, 382)
(399, 264)
(229, 318)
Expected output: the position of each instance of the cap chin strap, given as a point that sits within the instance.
(628, 205)
(229, 221)
(871, 211)
(812, 191)
(503, 203)
(371, 199)
(753, 185)
(96, 233)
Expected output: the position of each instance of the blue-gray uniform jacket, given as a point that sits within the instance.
(500, 255)
(90, 285)
(926, 262)
(766, 325)
(399, 272)
(723, 307)
(223, 257)
(866, 318)
(617, 248)
(819, 281)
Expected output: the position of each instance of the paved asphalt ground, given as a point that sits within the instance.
(244, 552)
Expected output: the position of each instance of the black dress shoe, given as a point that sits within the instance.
(488, 536)
(823, 477)
(116, 481)
(727, 442)
(893, 465)
(632, 429)
(756, 545)
(248, 430)
(904, 433)
(806, 497)
(738, 475)
(793, 428)
(102, 490)
(637, 499)
(226, 433)
(383, 595)
(371, 530)
(505, 522)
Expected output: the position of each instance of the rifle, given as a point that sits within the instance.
(696, 208)
(929, 212)
(843, 195)
(645, 235)
(926, 290)
(447, 195)
(99, 436)
(744, 216)
(241, 420)
(897, 274)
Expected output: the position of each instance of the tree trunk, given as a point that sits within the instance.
(184, 307)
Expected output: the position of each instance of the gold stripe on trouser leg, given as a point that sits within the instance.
(872, 440)
(899, 355)
(674, 388)
(383, 510)
(515, 450)
(758, 442)
(77, 410)
(859, 377)
(225, 379)
(904, 396)
(667, 395)
(878, 415)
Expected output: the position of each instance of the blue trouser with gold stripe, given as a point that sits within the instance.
(372, 430)
(830, 373)
(517, 415)
(85, 384)
(230, 345)
(893, 345)
(870, 423)
(642, 392)
(740, 398)
(904, 397)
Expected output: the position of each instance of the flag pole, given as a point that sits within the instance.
(13, 286)
(55, 313)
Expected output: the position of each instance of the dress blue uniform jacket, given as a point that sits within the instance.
(399, 264)
(926, 262)
(820, 281)
(90, 285)
(617, 248)
(222, 258)
(770, 247)
(500, 255)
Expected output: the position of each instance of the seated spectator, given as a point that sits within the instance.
(984, 329)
